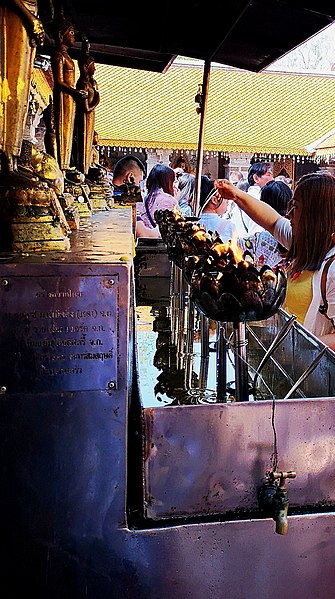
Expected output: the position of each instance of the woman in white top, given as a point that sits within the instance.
(309, 237)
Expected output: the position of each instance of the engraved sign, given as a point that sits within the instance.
(60, 333)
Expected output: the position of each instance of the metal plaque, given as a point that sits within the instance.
(59, 333)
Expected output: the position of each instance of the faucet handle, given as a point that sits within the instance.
(282, 476)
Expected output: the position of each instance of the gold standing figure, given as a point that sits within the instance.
(65, 93)
(20, 31)
(85, 110)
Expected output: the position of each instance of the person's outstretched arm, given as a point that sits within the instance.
(259, 211)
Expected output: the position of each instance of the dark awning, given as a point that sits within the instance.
(148, 35)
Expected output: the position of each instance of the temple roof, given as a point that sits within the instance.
(266, 112)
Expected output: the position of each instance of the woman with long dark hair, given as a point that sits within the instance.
(309, 236)
(159, 195)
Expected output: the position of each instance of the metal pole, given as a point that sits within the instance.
(221, 364)
(174, 294)
(204, 359)
(197, 186)
(181, 318)
(189, 340)
(241, 365)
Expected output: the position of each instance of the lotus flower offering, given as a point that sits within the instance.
(225, 284)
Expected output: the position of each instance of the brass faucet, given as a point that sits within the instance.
(280, 501)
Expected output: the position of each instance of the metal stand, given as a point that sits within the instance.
(175, 292)
(182, 323)
(188, 337)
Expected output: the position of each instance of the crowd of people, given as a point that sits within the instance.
(270, 221)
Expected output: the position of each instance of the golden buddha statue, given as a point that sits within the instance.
(20, 31)
(46, 168)
(85, 116)
(65, 92)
